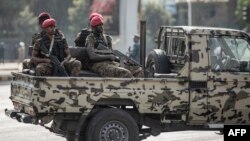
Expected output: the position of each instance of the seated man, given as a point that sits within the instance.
(51, 53)
(81, 36)
(102, 59)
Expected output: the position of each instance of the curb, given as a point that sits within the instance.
(9, 69)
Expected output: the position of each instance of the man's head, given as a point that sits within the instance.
(21, 44)
(97, 24)
(49, 25)
(42, 17)
(136, 38)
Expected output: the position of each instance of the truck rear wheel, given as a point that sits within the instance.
(112, 125)
(157, 62)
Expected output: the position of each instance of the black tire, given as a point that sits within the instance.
(157, 62)
(112, 125)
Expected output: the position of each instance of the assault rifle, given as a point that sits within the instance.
(125, 58)
(58, 70)
(122, 57)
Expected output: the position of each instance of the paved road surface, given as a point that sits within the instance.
(11, 130)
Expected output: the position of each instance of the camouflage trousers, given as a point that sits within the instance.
(73, 67)
(113, 69)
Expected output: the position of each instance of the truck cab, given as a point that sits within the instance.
(215, 62)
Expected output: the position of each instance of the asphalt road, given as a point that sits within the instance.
(11, 130)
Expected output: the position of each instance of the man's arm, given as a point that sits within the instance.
(109, 41)
(66, 52)
(35, 52)
(96, 57)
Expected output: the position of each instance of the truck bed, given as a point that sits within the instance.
(36, 95)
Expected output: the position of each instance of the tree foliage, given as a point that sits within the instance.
(9, 11)
(78, 15)
(57, 8)
(156, 16)
(26, 24)
(18, 19)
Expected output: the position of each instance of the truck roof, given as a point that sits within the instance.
(206, 30)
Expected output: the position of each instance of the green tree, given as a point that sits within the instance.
(9, 11)
(26, 24)
(156, 16)
(57, 8)
(78, 15)
(239, 13)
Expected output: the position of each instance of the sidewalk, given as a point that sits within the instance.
(7, 68)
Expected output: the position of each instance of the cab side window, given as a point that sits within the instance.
(229, 54)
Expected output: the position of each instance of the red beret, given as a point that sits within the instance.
(95, 21)
(49, 23)
(92, 15)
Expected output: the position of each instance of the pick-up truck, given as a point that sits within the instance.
(197, 78)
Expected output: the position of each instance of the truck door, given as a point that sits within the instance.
(229, 80)
(198, 80)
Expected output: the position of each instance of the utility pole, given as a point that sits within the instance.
(189, 12)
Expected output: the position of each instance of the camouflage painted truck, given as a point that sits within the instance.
(198, 78)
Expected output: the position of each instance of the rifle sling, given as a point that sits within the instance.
(51, 44)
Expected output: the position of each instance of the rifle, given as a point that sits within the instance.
(58, 69)
(103, 49)
(126, 58)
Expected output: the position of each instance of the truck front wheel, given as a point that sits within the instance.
(112, 125)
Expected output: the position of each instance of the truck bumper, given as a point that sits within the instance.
(19, 116)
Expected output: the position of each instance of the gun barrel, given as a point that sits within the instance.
(11, 113)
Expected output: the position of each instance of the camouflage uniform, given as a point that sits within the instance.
(81, 37)
(35, 37)
(109, 68)
(46, 69)
(72, 66)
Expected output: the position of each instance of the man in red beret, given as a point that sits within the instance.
(42, 17)
(100, 52)
(81, 36)
(54, 41)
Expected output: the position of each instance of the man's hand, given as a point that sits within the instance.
(62, 63)
(114, 58)
(47, 60)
